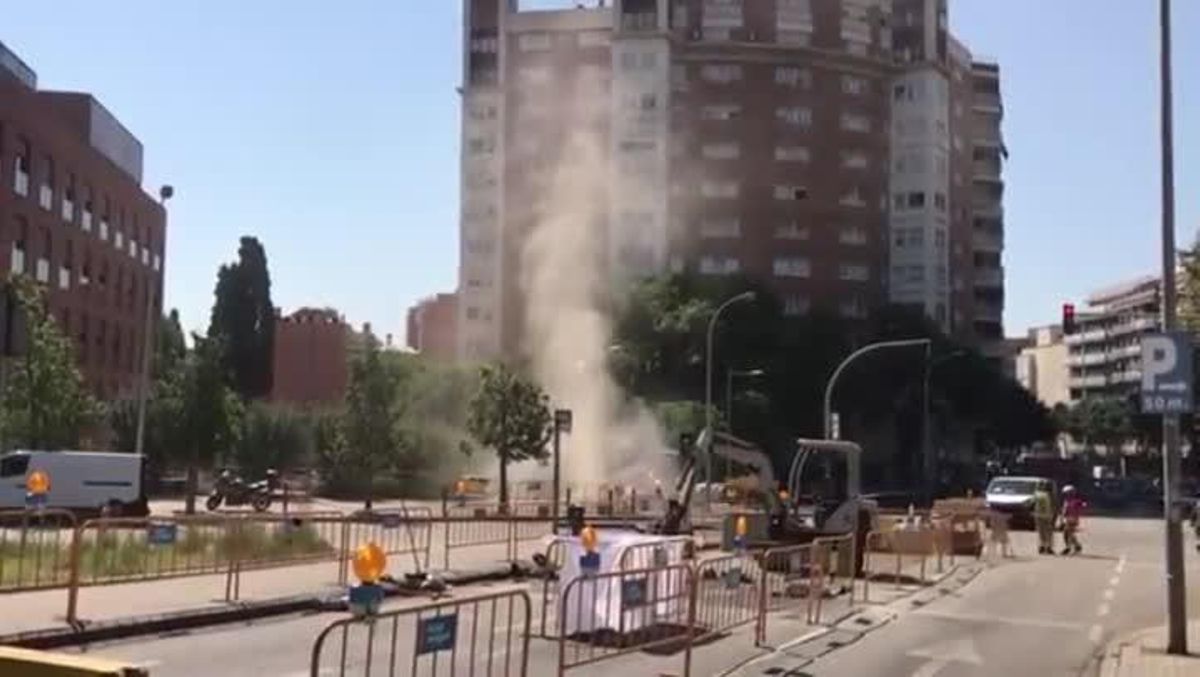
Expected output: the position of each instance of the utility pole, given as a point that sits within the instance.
(1172, 522)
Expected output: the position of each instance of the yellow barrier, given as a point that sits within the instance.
(30, 663)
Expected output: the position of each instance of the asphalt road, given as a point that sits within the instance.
(1038, 615)
(1034, 615)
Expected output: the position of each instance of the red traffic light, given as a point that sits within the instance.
(1068, 318)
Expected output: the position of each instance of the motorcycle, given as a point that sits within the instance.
(232, 490)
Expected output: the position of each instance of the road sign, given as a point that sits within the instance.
(1167, 373)
(562, 420)
(633, 593)
(437, 634)
(389, 520)
(161, 534)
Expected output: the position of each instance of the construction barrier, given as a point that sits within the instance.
(621, 612)
(474, 527)
(900, 543)
(728, 594)
(35, 549)
(478, 636)
(555, 556)
(791, 578)
(663, 552)
(835, 558)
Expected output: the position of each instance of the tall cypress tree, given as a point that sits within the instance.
(244, 318)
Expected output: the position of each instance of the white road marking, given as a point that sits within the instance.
(1102, 611)
(1095, 633)
(1003, 620)
(942, 654)
(1115, 580)
(1121, 564)
(1109, 594)
(931, 668)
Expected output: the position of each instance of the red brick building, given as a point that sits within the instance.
(310, 357)
(74, 217)
(432, 327)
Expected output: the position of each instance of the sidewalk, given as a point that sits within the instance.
(1143, 654)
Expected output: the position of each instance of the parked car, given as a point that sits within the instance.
(1014, 496)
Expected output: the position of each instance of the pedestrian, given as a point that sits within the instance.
(1043, 517)
(1072, 510)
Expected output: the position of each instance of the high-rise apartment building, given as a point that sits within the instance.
(1104, 354)
(847, 152)
(74, 217)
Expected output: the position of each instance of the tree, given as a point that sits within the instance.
(272, 437)
(45, 403)
(170, 349)
(244, 318)
(374, 438)
(510, 415)
(209, 412)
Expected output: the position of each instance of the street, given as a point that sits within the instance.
(1030, 615)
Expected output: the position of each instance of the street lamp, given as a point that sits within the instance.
(729, 376)
(926, 421)
(854, 356)
(166, 192)
(708, 381)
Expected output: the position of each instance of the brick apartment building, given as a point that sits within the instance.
(311, 357)
(74, 217)
(432, 327)
(846, 151)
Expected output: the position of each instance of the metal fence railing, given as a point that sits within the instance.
(480, 636)
(35, 549)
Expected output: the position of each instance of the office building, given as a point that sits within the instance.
(846, 152)
(74, 217)
(1104, 352)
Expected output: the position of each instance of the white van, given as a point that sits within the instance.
(81, 481)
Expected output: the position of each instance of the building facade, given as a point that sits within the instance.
(847, 152)
(1042, 366)
(74, 217)
(432, 327)
(1104, 352)
(311, 362)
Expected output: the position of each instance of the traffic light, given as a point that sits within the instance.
(1068, 318)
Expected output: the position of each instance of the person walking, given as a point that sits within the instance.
(1072, 511)
(1043, 517)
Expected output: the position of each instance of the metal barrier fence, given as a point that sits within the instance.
(728, 593)
(900, 543)
(836, 561)
(789, 573)
(474, 527)
(484, 636)
(35, 549)
(667, 551)
(620, 612)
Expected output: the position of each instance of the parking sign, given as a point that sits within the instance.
(1167, 373)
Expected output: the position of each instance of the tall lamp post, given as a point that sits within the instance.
(708, 384)
(165, 193)
(927, 455)
(729, 376)
(874, 347)
(1176, 591)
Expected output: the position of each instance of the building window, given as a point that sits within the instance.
(723, 73)
(791, 266)
(720, 112)
(854, 159)
(794, 115)
(792, 154)
(721, 151)
(790, 192)
(796, 305)
(719, 265)
(20, 245)
(594, 39)
(46, 192)
(790, 76)
(21, 168)
(716, 227)
(855, 122)
(791, 231)
(939, 202)
(909, 274)
(852, 198)
(916, 200)
(853, 272)
(852, 235)
(909, 237)
(853, 308)
(719, 189)
(854, 85)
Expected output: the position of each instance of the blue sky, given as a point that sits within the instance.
(330, 131)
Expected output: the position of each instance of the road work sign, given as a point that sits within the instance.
(1167, 373)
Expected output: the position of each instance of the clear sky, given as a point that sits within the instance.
(330, 131)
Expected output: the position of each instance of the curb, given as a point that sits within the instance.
(140, 626)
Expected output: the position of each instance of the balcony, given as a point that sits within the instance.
(1095, 381)
(987, 170)
(988, 240)
(85, 221)
(987, 102)
(989, 314)
(987, 209)
(987, 136)
(68, 210)
(1087, 359)
(42, 273)
(989, 277)
(46, 197)
(17, 260)
(21, 183)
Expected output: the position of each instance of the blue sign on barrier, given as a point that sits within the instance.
(437, 634)
(161, 534)
(633, 592)
(389, 520)
(35, 501)
(733, 578)
(365, 599)
(589, 563)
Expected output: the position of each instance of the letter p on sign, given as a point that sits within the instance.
(1159, 357)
